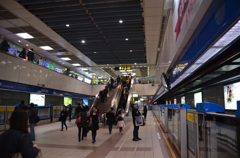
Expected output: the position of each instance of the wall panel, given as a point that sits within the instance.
(12, 69)
(3, 65)
(24, 72)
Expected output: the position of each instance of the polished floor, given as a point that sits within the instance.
(64, 144)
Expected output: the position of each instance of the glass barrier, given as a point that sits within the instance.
(44, 112)
(174, 127)
(56, 111)
(220, 136)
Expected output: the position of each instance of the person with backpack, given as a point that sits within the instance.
(33, 119)
(82, 124)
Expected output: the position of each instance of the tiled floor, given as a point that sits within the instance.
(64, 144)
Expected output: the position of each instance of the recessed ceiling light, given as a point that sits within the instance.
(107, 64)
(84, 69)
(66, 58)
(135, 63)
(169, 61)
(130, 50)
(19, 41)
(24, 35)
(83, 41)
(126, 39)
(46, 47)
(120, 21)
(76, 64)
(67, 25)
(95, 52)
(26, 44)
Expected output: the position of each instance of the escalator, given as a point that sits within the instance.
(111, 101)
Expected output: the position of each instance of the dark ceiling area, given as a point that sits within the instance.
(107, 41)
(223, 69)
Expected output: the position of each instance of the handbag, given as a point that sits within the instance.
(138, 120)
(78, 120)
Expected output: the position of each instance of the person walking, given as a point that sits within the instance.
(77, 110)
(145, 112)
(32, 116)
(64, 114)
(17, 139)
(110, 119)
(135, 112)
(82, 124)
(120, 124)
(94, 122)
(70, 112)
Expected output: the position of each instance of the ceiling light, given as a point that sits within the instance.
(84, 69)
(126, 39)
(76, 64)
(46, 47)
(83, 41)
(67, 25)
(99, 77)
(120, 21)
(129, 70)
(107, 64)
(19, 41)
(95, 52)
(66, 58)
(135, 63)
(26, 44)
(130, 50)
(24, 35)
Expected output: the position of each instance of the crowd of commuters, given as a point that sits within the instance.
(18, 140)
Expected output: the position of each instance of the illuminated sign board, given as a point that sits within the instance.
(58, 70)
(12, 50)
(123, 68)
(50, 66)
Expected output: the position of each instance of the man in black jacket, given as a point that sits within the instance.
(135, 112)
(110, 119)
(32, 114)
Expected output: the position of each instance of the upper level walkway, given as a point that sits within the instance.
(64, 144)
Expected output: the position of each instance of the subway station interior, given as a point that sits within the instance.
(177, 60)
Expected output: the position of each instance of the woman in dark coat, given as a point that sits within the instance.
(82, 124)
(110, 119)
(64, 114)
(17, 139)
(145, 112)
(94, 121)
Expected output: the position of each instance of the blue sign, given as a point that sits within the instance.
(14, 51)
(7, 85)
(208, 30)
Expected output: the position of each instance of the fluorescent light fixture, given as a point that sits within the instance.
(126, 39)
(84, 69)
(122, 70)
(226, 39)
(67, 25)
(24, 35)
(99, 77)
(46, 48)
(124, 73)
(129, 70)
(66, 58)
(120, 21)
(83, 41)
(76, 64)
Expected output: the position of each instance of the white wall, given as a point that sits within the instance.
(18, 70)
(144, 89)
